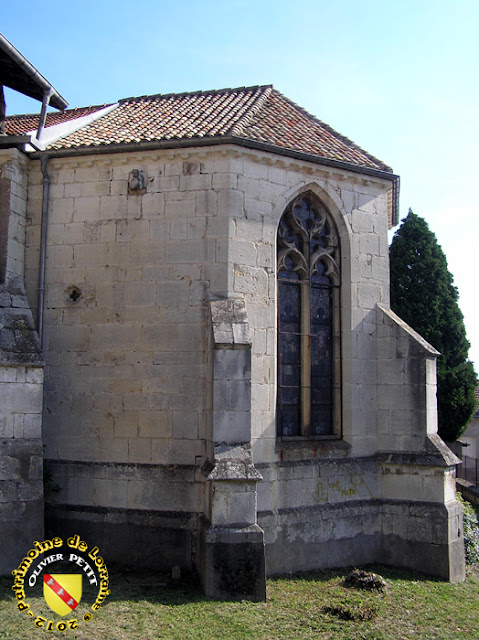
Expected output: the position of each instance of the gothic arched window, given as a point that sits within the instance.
(308, 400)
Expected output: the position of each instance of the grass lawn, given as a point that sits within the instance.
(304, 606)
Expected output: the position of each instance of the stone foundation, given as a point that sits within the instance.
(133, 539)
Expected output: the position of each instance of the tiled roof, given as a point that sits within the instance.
(259, 115)
(19, 125)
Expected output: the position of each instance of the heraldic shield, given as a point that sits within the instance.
(62, 591)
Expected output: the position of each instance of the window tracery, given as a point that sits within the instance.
(308, 278)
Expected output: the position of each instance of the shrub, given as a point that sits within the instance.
(471, 531)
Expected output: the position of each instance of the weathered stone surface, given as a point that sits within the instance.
(19, 344)
(234, 563)
(166, 365)
(233, 463)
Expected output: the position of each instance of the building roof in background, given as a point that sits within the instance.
(258, 115)
(19, 74)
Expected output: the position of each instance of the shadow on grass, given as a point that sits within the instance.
(129, 586)
(324, 575)
(135, 586)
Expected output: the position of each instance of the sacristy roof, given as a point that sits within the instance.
(22, 124)
(258, 116)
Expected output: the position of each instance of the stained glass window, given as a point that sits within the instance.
(308, 334)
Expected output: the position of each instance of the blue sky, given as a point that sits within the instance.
(399, 78)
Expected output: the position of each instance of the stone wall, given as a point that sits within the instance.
(21, 457)
(422, 521)
(21, 377)
(128, 277)
(323, 512)
(13, 205)
(140, 393)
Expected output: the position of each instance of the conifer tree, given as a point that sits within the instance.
(423, 295)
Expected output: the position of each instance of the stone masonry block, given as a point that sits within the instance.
(132, 230)
(87, 174)
(63, 256)
(112, 207)
(73, 190)
(250, 186)
(139, 450)
(195, 182)
(95, 188)
(125, 424)
(369, 243)
(173, 294)
(224, 181)
(155, 424)
(112, 449)
(277, 175)
(32, 425)
(185, 425)
(231, 426)
(160, 451)
(231, 203)
(73, 232)
(191, 250)
(191, 337)
(186, 451)
(243, 253)
(255, 170)
(232, 364)
(180, 208)
(111, 493)
(90, 255)
(367, 202)
(86, 208)
(7, 374)
(139, 294)
(22, 399)
(232, 506)
(62, 210)
(161, 337)
(206, 203)
(250, 280)
(398, 485)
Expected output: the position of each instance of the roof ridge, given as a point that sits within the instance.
(194, 93)
(330, 129)
(251, 113)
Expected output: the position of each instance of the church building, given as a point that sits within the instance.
(196, 343)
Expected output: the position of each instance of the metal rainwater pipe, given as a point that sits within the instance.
(43, 113)
(43, 246)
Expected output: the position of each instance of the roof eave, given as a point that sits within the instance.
(148, 145)
(24, 74)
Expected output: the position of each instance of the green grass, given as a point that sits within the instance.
(304, 606)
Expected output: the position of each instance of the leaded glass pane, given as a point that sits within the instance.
(321, 306)
(289, 349)
(290, 421)
(321, 419)
(289, 304)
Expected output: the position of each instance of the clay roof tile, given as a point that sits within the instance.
(258, 114)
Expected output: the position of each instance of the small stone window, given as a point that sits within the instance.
(308, 281)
